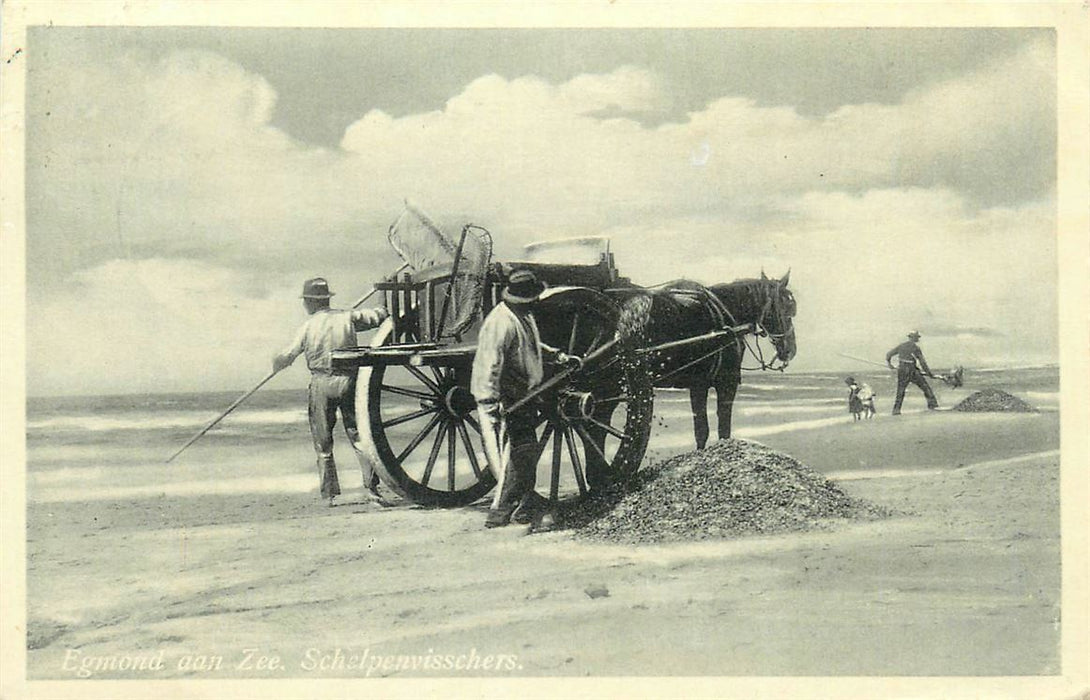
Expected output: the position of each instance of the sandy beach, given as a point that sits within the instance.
(964, 579)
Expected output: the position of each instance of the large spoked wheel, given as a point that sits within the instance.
(424, 435)
(595, 424)
(592, 425)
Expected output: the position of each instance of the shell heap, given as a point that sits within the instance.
(994, 400)
(731, 488)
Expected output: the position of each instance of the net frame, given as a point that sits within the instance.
(469, 278)
(422, 244)
(418, 240)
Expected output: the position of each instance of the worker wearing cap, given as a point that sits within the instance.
(331, 389)
(910, 361)
(508, 364)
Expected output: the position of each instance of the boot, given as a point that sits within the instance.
(498, 517)
(531, 503)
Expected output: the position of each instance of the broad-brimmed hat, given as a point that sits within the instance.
(316, 288)
(523, 287)
(914, 335)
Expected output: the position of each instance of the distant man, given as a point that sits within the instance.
(509, 364)
(331, 390)
(910, 362)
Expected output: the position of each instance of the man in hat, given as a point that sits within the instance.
(508, 364)
(910, 362)
(331, 390)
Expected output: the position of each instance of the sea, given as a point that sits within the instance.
(84, 448)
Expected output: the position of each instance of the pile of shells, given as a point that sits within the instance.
(731, 488)
(994, 400)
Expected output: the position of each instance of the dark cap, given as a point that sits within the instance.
(523, 287)
(316, 288)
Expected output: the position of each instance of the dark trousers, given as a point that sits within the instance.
(328, 395)
(906, 374)
(517, 442)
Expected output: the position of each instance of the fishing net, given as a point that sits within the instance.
(467, 287)
(422, 244)
(419, 241)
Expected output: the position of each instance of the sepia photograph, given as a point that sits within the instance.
(375, 349)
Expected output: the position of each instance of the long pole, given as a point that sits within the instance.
(263, 382)
(860, 359)
(223, 415)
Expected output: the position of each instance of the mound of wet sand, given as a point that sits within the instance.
(731, 488)
(994, 400)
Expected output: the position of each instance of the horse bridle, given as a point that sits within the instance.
(760, 331)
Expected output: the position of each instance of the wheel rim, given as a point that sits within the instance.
(591, 430)
(594, 428)
(425, 437)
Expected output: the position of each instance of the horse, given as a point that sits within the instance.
(759, 307)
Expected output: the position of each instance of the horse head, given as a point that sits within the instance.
(777, 316)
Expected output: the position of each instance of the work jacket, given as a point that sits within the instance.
(908, 353)
(508, 362)
(327, 330)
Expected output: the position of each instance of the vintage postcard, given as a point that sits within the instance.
(620, 349)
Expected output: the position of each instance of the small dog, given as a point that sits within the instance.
(866, 396)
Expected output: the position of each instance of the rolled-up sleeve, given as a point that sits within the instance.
(366, 319)
(488, 362)
(286, 356)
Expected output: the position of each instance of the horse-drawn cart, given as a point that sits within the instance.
(421, 430)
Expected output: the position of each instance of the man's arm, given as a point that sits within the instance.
(889, 356)
(366, 319)
(923, 362)
(488, 362)
(551, 354)
(286, 356)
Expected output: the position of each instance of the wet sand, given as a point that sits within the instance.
(963, 581)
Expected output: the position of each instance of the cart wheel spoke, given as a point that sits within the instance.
(574, 332)
(576, 463)
(543, 441)
(588, 441)
(602, 367)
(452, 455)
(415, 442)
(408, 417)
(432, 457)
(594, 343)
(608, 428)
(424, 379)
(554, 484)
(411, 393)
(470, 451)
(408, 455)
(473, 424)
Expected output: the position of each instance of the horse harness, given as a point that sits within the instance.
(720, 316)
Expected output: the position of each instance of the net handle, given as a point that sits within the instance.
(453, 279)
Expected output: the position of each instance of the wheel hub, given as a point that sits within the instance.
(576, 405)
(458, 401)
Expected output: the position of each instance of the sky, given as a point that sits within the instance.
(183, 182)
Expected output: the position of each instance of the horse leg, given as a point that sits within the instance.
(725, 390)
(698, 402)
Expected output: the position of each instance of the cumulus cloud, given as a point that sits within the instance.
(159, 325)
(159, 180)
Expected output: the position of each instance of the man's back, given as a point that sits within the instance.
(327, 330)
